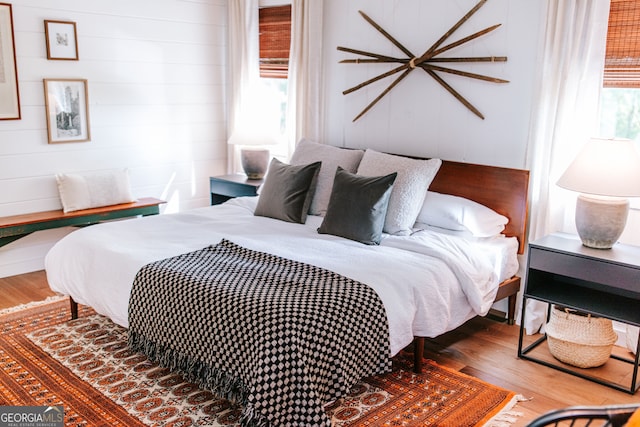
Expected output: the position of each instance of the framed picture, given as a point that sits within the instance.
(61, 40)
(9, 95)
(66, 104)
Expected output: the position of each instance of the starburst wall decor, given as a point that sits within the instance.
(427, 61)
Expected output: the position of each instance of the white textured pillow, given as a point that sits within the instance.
(460, 214)
(331, 157)
(84, 191)
(409, 189)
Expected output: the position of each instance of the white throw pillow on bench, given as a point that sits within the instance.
(92, 190)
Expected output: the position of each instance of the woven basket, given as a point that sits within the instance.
(580, 339)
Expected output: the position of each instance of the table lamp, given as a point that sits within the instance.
(254, 157)
(605, 172)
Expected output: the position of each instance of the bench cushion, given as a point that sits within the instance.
(84, 191)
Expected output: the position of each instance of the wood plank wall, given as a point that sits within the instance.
(156, 76)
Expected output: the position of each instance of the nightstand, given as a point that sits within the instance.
(227, 187)
(602, 282)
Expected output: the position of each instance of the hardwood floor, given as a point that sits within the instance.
(483, 348)
(24, 288)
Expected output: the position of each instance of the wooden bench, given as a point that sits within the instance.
(17, 226)
(14, 227)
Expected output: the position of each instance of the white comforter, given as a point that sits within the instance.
(429, 283)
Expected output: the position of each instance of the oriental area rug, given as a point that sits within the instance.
(85, 366)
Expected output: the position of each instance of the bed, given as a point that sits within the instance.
(428, 281)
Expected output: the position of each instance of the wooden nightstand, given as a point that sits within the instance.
(603, 282)
(227, 187)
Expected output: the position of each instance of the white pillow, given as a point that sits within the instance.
(409, 189)
(331, 157)
(460, 214)
(84, 191)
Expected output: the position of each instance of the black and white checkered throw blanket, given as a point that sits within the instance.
(282, 337)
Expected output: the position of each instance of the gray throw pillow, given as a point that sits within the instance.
(331, 157)
(358, 207)
(409, 190)
(287, 191)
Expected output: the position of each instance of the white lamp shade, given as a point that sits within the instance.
(605, 167)
(252, 136)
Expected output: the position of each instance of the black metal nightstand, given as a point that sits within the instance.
(602, 282)
(225, 187)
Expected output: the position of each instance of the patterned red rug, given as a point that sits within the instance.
(85, 365)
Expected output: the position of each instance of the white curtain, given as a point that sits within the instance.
(243, 57)
(304, 104)
(565, 114)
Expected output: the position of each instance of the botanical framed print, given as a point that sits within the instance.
(67, 108)
(62, 40)
(9, 94)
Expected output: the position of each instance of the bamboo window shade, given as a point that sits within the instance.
(622, 60)
(275, 40)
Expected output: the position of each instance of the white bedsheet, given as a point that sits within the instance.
(429, 284)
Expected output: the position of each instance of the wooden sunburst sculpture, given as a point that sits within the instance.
(426, 61)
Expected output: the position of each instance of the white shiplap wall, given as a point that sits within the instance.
(156, 74)
(418, 116)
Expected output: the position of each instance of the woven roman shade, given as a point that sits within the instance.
(275, 38)
(622, 60)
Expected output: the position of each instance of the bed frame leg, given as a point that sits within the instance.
(511, 310)
(418, 354)
(74, 308)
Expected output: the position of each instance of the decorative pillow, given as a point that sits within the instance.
(358, 206)
(331, 157)
(460, 214)
(409, 190)
(287, 191)
(84, 191)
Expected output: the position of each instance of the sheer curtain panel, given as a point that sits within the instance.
(243, 59)
(565, 114)
(305, 100)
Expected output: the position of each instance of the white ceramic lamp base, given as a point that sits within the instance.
(600, 220)
(254, 162)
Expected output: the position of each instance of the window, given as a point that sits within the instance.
(275, 40)
(620, 112)
(622, 59)
(620, 102)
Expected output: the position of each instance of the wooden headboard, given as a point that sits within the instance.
(504, 190)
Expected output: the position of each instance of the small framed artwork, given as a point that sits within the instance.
(62, 41)
(67, 108)
(9, 95)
